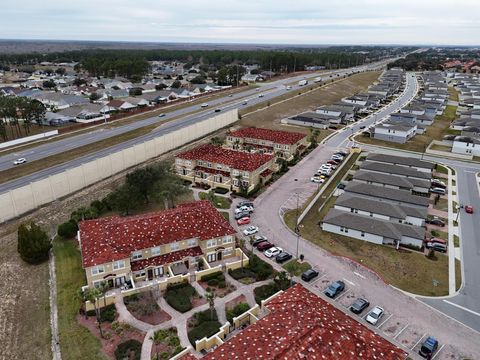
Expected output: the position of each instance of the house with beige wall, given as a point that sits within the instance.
(226, 168)
(284, 144)
(144, 247)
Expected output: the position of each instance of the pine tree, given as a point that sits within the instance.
(33, 243)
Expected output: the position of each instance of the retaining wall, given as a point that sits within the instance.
(26, 198)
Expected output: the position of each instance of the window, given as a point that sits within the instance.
(209, 165)
(219, 166)
(211, 243)
(218, 178)
(174, 246)
(343, 229)
(156, 251)
(137, 255)
(228, 239)
(99, 269)
(200, 162)
(139, 273)
(211, 257)
(227, 251)
(120, 264)
(158, 271)
(192, 242)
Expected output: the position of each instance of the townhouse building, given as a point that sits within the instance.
(144, 247)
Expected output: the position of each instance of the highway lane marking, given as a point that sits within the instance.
(438, 352)
(418, 342)
(462, 307)
(360, 275)
(388, 318)
(350, 282)
(401, 331)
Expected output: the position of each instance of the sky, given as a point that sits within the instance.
(360, 22)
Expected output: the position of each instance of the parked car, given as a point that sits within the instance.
(359, 305)
(429, 346)
(264, 245)
(257, 239)
(204, 105)
(245, 203)
(244, 221)
(319, 179)
(437, 190)
(374, 315)
(250, 230)
(20, 161)
(469, 209)
(438, 183)
(341, 186)
(273, 251)
(435, 221)
(334, 289)
(333, 127)
(162, 115)
(438, 240)
(283, 256)
(333, 162)
(309, 275)
(329, 166)
(242, 214)
(342, 153)
(325, 172)
(337, 157)
(244, 208)
(436, 246)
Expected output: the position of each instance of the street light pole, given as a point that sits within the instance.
(297, 230)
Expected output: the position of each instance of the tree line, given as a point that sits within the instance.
(13, 109)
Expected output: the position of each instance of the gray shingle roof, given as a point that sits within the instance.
(383, 179)
(400, 160)
(395, 170)
(380, 192)
(380, 207)
(373, 226)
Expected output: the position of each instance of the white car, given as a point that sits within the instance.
(374, 315)
(273, 251)
(245, 102)
(289, 88)
(20, 161)
(250, 230)
(204, 105)
(317, 179)
(244, 208)
(261, 95)
(337, 157)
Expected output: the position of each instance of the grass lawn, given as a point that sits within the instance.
(419, 142)
(442, 205)
(456, 241)
(226, 215)
(76, 341)
(441, 148)
(440, 234)
(220, 202)
(441, 169)
(458, 274)
(271, 116)
(296, 268)
(204, 324)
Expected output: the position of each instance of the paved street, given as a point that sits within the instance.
(270, 91)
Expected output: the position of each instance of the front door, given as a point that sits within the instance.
(149, 274)
(219, 255)
(186, 263)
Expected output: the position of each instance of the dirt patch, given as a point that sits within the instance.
(234, 302)
(114, 334)
(219, 292)
(144, 307)
(198, 301)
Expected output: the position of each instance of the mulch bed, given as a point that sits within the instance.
(112, 338)
(219, 292)
(146, 300)
(198, 301)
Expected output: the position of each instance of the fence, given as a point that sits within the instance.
(28, 138)
(26, 198)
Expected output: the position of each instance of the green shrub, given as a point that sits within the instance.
(128, 349)
(108, 313)
(207, 329)
(67, 230)
(239, 274)
(212, 282)
(220, 190)
(33, 243)
(215, 275)
(204, 316)
(179, 296)
(236, 311)
(222, 284)
(174, 341)
(264, 292)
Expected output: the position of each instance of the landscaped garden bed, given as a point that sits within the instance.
(183, 297)
(166, 344)
(219, 202)
(280, 282)
(145, 308)
(256, 270)
(202, 324)
(216, 282)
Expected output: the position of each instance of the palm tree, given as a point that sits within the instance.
(210, 296)
(104, 287)
(92, 295)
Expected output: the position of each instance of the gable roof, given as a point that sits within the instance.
(238, 160)
(400, 160)
(394, 169)
(301, 325)
(114, 238)
(276, 136)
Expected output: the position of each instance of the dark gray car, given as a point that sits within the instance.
(359, 305)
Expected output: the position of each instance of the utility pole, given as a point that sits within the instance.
(294, 63)
(297, 230)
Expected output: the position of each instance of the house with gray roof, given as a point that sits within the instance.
(312, 119)
(379, 193)
(404, 161)
(392, 181)
(374, 230)
(393, 132)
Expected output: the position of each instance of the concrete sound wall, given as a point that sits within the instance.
(26, 198)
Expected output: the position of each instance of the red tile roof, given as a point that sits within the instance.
(238, 160)
(265, 173)
(277, 136)
(114, 238)
(166, 258)
(301, 325)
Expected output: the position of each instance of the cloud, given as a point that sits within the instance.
(266, 21)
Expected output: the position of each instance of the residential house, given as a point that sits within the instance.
(85, 114)
(313, 120)
(402, 161)
(468, 145)
(392, 132)
(54, 100)
(118, 105)
(284, 144)
(225, 168)
(143, 247)
(392, 181)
